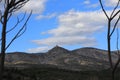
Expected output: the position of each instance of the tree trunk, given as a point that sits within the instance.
(2, 56)
(113, 75)
(3, 45)
(109, 44)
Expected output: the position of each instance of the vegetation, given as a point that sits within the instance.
(47, 73)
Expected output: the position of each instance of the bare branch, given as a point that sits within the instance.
(115, 14)
(20, 32)
(115, 26)
(14, 26)
(17, 5)
(104, 9)
(1, 17)
(9, 16)
(18, 21)
(115, 8)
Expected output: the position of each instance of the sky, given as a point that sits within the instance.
(71, 24)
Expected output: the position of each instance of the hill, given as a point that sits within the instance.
(79, 59)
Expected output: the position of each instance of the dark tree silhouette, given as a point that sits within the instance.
(8, 8)
(111, 29)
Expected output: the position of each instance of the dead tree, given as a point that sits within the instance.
(111, 29)
(8, 8)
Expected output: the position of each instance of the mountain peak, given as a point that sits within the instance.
(57, 49)
(57, 46)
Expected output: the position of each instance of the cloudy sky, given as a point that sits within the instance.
(68, 23)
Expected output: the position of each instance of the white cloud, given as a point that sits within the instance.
(75, 28)
(73, 40)
(46, 16)
(37, 50)
(107, 3)
(93, 5)
(110, 3)
(86, 2)
(89, 4)
(37, 6)
(74, 23)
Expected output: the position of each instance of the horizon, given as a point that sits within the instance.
(58, 46)
(70, 24)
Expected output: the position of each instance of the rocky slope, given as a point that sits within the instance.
(79, 59)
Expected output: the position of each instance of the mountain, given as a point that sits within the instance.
(57, 50)
(80, 59)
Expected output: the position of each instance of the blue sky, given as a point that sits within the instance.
(68, 23)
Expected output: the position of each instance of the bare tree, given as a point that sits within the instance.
(111, 29)
(9, 7)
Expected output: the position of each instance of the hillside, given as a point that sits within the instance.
(80, 59)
